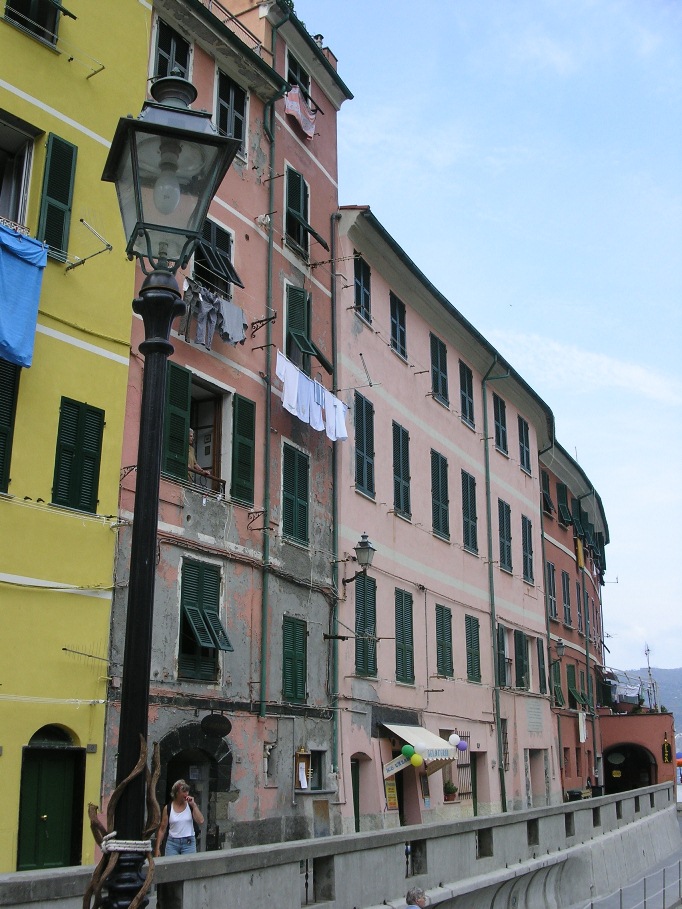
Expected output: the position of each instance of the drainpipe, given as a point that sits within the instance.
(268, 128)
(491, 581)
(335, 218)
(587, 658)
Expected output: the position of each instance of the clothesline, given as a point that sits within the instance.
(213, 313)
(310, 401)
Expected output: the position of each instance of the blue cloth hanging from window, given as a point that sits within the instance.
(22, 260)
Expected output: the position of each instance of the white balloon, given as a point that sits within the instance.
(454, 740)
(421, 748)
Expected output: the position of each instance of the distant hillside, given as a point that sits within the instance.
(669, 682)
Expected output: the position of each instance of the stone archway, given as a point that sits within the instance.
(188, 746)
(628, 766)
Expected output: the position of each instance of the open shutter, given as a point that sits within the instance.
(191, 602)
(9, 390)
(210, 601)
(57, 195)
(90, 457)
(556, 685)
(243, 449)
(176, 421)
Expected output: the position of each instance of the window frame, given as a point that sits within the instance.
(201, 584)
(565, 517)
(444, 656)
(295, 494)
(10, 377)
(547, 503)
(550, 574)
(170, 56)
(297, 227)
(401, 471)
(527, 548)
(213, 255)
(466, 394)
(557, 690)
(500, 420)
(505, 535)
(404, 637)
(294, 660)
(439, 369)
(473, 648)
(440, 501)
(78, 455)
(524, 445)
(398, 325)
(362, 284)
(40, 20)
(365, 626)
(364, 445)
(566, 597)
(232, 110)
(469, 513)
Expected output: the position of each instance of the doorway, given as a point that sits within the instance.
(51, 801)
(194, 767)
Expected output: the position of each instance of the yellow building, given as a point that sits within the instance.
(66, 76)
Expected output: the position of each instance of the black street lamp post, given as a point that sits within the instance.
(167, 165)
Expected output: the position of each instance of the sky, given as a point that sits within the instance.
(527, 156)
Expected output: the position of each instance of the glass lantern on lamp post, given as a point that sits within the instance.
(167, 165)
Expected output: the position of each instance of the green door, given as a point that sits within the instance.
(50, 808)
(474, 788)
(355, 781)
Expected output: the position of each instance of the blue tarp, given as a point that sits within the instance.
(22, 260)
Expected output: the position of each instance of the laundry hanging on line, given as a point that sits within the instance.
(310, 401)
(213, 313)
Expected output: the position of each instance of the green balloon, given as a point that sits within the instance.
(407, 751)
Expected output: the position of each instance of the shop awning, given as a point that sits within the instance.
(438, 753)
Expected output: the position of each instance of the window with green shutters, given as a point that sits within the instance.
(404, 640)
(213, 259)
(78, 455)
(202, 633)
(9, 391)
(469, 518)
(527, 548)
(54, 220)
(300, 346)
(363, 295)
(176, 421)
(172, 51)
(364, 445)
(504, 522)
(401, 470)
(439, 370)
(575, 697)
(562, 504)
(466, 393)
(556, 684)
(521, 662)
(542, 671)
(439, 495)
(444, 662)
(547, 503)
(566, 596)
(231, 114)
(365, 625)
(298, 230)
(579, 606)
(500, 417)
(524, 445)
(398, 328)
(295, 469)
(294, 659)
(243, 449)
(471, 633)
(503, 663)
(551, 590)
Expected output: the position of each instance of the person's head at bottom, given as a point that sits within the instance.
(416, 897)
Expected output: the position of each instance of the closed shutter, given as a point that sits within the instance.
(197, 657)
(78, 455)
(470, 536)
(439, 494)
(176, 421)
(404, 642)
(365, 626)
(57, 195)
(9, 390)
(542, 671)
(521, 660)
(294, 634)
(556, 685)
(243, 449)
(500, 409)
(295, 494)
(439, 369)
(471, 628)
(364, 444)
(502, 679)
(527, 545)
(504, 520)
(444, 662)
(401, 470)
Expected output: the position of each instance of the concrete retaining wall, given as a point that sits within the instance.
(546, 857)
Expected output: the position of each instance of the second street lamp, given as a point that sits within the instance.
(167, 165)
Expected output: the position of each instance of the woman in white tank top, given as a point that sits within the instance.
(178, 819)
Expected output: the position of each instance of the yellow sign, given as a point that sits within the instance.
(391, 795)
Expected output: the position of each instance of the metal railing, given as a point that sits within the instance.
(659, 889)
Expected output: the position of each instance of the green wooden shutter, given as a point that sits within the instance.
(504, 526)
(527, 546)
(556, 685)
(295, 494)
(297, 209)
(364, 444)
(294, 634)
(470, 536)
(502, 679)
(176, 421)
(541, 666)
(500, 411)
(404, 641)
(471, 629)
(365, 626)
(9, 390)
(243, 449)
(78, 455)
(57, 195)
(444, 664)
(199, 592)
(562, 504)
(439, 369)
(401, 470)
(573, 694)
(439, 494)
(521, 659)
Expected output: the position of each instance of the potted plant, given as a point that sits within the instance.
(449, 791)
